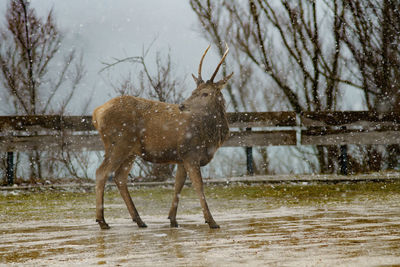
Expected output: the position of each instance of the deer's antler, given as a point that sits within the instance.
(220, 63)
(199, 79)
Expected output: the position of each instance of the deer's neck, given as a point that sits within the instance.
(212, 123)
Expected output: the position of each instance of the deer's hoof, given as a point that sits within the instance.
(174, 224)
(103, 225)
(141, 224)
(213, 225)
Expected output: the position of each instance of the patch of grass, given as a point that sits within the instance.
(43, 205)
(53, 205)
(307, 193)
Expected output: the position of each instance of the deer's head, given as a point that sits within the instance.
(208, 93)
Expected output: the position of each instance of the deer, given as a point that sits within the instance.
(186, 134)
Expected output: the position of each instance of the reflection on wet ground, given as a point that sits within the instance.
(285, 225)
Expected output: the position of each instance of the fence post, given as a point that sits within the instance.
(343, 157)
(249, 157)
(343, 160)
(10, 168)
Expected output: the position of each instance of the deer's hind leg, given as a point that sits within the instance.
(114, 157)
(120, 178)
(102, 173)
(179, 182)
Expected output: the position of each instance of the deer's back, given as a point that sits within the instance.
(153, 129)
(122, 111)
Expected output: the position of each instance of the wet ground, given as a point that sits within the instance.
(275, 225)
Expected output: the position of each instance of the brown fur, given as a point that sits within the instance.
(187, 134)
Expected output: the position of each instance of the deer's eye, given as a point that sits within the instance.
(204, 95)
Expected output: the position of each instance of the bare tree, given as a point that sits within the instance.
(284, 41)
(313, 51)
(372, 37)
(373, 40)
(32, 81)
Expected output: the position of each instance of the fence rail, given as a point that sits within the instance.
(19, 133)
(46, 132)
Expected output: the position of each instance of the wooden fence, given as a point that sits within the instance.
(248, 129)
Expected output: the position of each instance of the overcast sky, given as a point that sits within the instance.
(104, 29)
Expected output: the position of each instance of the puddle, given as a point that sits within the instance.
(285, 225)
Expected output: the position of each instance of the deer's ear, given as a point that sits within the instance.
(198, 81)
(220, 84)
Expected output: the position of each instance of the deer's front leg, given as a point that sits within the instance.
(195, 176)
(179, 182)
